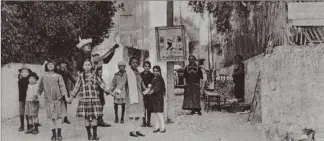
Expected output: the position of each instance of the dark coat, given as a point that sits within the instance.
(22, 88)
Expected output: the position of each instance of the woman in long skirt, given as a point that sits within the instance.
(193, 75)
(238, 78)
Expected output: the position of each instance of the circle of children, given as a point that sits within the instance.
(139, 95)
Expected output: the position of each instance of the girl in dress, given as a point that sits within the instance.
(89, 107)
(32, 104)
(157, 95)
(52, 84)
(119, 87)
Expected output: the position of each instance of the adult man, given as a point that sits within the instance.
(193, 75)
(85, 46)
(66, 76)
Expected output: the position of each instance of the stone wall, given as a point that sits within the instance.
(292, 88)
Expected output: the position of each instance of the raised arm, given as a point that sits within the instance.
(108, 56)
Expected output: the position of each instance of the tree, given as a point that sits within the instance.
(249, 26)
(53, 27)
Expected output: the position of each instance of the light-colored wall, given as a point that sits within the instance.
(292, 89)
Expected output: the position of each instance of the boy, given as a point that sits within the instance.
(147, 77)
(66, 76)
(22, 88)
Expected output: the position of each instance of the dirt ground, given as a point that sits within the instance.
(211, 126)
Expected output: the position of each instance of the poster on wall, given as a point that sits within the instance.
(171, 43)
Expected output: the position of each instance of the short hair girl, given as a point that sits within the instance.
(89, 107)
(52, 84)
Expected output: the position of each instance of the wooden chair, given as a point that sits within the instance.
(209, 99)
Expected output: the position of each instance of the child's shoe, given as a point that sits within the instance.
(59, 136)
(21, 128)
(35, 131)
(95, 137)
(54, 135)
(29, 129)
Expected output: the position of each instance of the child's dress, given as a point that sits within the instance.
(54, 92)
(32, 105)
(87, 88)
(119, 83)
(158, 88)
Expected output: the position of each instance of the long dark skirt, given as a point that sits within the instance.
(239, 87)
(191, 100)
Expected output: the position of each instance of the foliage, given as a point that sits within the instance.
(225, 88)
(222, 12)
(53, 27)
(248, 27)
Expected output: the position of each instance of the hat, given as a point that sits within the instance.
(122, 63)
(169, 40)
(33, 74)
(83, 42)
(24, 67)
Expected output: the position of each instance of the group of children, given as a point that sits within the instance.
(88, 87)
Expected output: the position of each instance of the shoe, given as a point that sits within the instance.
(94, 138)
(138, 133)
(116, 120)
(122, 120)
(192, 113)
(35, 131)
(199, 113)
(149, 125)
(103, 124)
(163, 131)
(59, 135)
(144, 124)
(54, 135)
(21, 128)
(156, 130)
(132, 134)
(29, 129)
(66, 121)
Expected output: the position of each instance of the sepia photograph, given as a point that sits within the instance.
(210, 70)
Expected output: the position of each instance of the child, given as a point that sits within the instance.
(147, 77)
(54, 93)
(118, 86)
(89, 107)
(101, 122)
(32, 104)
(22, 88)
(157, 94)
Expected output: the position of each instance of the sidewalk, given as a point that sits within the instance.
(212, 126)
